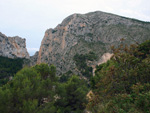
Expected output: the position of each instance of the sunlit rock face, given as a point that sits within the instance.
(83, 33)
(105, 57)
(13, 47)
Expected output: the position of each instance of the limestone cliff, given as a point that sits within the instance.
(83, 33)
(13, 47)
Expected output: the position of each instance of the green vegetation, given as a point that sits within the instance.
(122, 85)
(37, 90)
(9, 67)
(89, 34)
(81, 63)
(72, 96)
(65, 77)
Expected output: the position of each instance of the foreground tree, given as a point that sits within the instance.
(123, 83)
(72, 96)
(29, 91)
(8, 68)
(37, 90)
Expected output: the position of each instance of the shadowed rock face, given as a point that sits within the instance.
(32, 60)
(83, 33)
(13, 47)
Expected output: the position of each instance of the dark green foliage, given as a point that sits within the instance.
(3, 81)
(81, 63)
(122, 85)
(9, 67)
(72, 95)
(29, 91)
(144, 48)
(46, 71)
(90, 34)
(65, 77)
(76, 93)
(37, 90)
(91, 56)
(98, 75)
(53, 31)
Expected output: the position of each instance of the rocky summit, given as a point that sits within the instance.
(13, 47)
(85, 33)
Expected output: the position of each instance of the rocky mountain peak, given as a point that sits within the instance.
(85, 33)
(13, 47)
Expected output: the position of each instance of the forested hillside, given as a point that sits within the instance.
(9, 67)
(121, 85)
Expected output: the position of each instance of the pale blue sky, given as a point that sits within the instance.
(31, 18)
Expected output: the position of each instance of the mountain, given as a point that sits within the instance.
(13, 47)
(88, 37)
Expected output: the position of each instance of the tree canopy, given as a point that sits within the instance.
(38, 90)
(122, 85)
(9, 67)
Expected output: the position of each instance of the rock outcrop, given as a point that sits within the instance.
(33, 59)
(83, 33)
(105, 57)
(13, 47)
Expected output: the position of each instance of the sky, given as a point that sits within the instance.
(30, 19)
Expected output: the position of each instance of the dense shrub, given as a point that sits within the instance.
(123, 84)
(9, 67)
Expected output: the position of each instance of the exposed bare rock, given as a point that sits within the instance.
(82, 33)
(33, 59)
(105, 57)
(13, 47)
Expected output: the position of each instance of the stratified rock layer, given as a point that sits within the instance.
(13, 47)
(83, 33)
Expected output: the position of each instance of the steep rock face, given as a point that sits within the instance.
(13, 47)
(81, 34)
(33, 59)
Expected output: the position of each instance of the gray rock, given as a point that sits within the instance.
(13, 47)
(33, 59)
(82, 33)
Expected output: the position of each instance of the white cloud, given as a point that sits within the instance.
(32, 49)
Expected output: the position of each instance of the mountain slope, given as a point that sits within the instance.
(85, 33)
